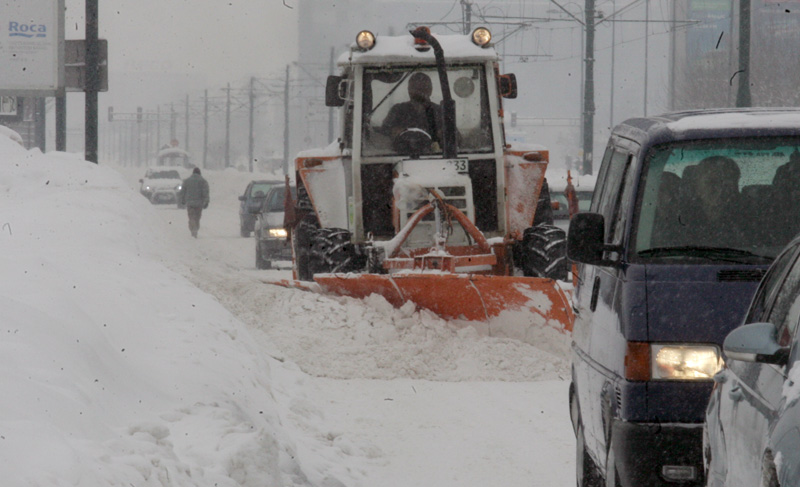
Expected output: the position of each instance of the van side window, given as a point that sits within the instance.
(612, 187)
(601, 177)
(626, 194)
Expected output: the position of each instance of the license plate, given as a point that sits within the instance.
(461, 165)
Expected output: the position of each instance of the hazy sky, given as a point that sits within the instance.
(221, 39)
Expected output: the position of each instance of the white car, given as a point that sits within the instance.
(161, 185)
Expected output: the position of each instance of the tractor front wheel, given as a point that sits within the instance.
(302, 239)
(544, 252)
(332, 251)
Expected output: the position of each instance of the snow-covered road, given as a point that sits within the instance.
(392, 397)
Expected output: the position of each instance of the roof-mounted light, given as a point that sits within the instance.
(365, 40)
(481, 36)
(422, 44)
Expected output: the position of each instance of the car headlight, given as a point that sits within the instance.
(671, 361)
(277, 232)
(178, 187)
(685, 362)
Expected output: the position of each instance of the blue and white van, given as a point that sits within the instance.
(688, 212)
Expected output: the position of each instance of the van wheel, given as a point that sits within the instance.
(544, 252)
(585, 468)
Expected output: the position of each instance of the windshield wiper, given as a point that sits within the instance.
(394, 88)
(711, 253)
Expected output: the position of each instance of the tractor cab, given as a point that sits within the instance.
(421, 179)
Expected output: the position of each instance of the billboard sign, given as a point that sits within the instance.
(712, 33)
(32, 48)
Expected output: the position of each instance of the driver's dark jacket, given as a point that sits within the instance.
(425, 116)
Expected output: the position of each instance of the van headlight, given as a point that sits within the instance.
(685, 362)
(671, 361)
(277, 232)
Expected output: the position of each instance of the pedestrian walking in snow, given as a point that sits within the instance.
(194, 196)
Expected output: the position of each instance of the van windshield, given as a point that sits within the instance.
(719, 199)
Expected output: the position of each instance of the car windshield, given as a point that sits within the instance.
(276, 199)
(387, 108)
(720, 199)
(165, 175)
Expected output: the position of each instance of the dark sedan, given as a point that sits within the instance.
(251, 202)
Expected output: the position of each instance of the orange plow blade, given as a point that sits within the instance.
(469, 297)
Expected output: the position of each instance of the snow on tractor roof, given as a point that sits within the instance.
(401, 50)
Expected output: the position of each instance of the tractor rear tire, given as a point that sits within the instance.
(544, 249)
(332, 251)
(302, 239)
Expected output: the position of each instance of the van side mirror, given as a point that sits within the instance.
(333, 93)
(508, 85)
(586, 240)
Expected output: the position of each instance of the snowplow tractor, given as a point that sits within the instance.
(421, 198)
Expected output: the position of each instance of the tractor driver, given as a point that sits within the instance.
(417, 113)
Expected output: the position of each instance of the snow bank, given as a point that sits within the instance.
(116, 370)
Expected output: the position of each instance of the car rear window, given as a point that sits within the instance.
(165, 175)
(262, 187)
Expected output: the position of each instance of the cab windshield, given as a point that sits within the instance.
(719, 200)
(402, 100)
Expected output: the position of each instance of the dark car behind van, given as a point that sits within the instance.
(688, 212)
(251, 202)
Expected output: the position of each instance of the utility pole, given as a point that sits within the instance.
(613, 56)
(467, 16)
(158, 128)
(672, 55)
(251, 141)
(588, 91)
(173, 121)
(138, 136)
(646, 45)
(228, 128)
(61, 122)
(743, 98)
(330, 109)
(41, 123)
(92, 80)
(186, 138)
(205, 131)
(286, 124)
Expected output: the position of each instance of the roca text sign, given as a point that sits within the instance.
(32, 47)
